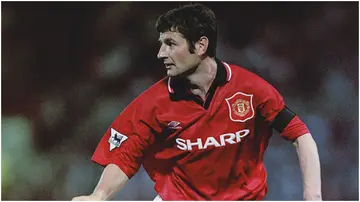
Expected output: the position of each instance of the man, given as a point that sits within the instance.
(202, 131)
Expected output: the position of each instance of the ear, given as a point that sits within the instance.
(201, 45)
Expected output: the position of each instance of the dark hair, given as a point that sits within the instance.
(192, 21)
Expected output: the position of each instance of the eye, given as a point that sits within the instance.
(170, 44)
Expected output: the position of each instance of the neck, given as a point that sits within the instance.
(203, 77)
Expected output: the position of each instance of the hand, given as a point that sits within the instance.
(91, 197)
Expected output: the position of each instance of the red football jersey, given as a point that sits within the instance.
(195, 150)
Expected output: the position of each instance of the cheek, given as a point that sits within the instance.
(181, 55)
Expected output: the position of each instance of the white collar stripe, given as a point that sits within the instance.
(228, 70)
(169, 87)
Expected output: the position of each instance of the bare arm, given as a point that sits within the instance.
(310, 167)
(112, 180)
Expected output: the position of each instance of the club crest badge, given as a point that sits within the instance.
(240, 107)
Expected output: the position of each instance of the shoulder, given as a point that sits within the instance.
(145, 107)
(248, 82)
(151, 96)
(243, 77)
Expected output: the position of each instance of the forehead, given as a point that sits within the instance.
(177, 36)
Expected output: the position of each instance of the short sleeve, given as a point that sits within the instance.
(270, 104)
(127, 138)
(294, 129)
(269, 101)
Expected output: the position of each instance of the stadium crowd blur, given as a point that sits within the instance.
(68, 69)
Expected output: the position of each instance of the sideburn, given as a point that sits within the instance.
(191, 46)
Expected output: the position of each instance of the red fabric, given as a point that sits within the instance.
(227, 165)
(294, 129)
(136, 122)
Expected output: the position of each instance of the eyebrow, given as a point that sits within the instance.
(167, 40)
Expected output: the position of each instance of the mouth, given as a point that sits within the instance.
(168, 65)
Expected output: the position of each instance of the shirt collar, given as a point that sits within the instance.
(223, 75)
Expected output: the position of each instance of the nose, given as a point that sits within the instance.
(162, 52)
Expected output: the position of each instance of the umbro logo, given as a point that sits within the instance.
(174, 125)
(116, 139)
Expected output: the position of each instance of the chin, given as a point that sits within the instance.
(171, 73)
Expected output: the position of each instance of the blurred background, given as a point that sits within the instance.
(68, 69)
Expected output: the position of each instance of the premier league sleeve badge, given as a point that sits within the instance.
(116, 139)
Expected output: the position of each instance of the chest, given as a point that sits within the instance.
(227, 121)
